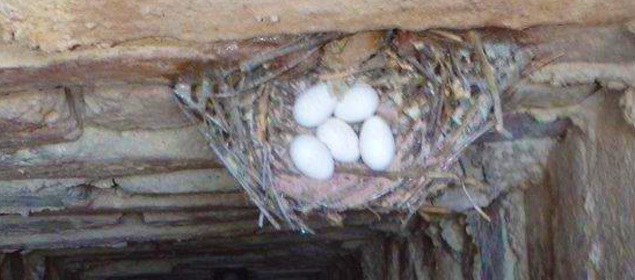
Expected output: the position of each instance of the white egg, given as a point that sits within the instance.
(358, 103)
(312, 157)
(376, 144)
(340, 138)
(314, 106)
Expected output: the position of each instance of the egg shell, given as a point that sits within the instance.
(314, 106)
(312, 157)
(377, 144)
(358, 103)
(341, 140)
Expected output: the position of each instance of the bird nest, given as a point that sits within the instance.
(438, 91)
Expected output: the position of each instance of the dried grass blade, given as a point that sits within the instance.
(268, 77)
(304, 43)
(488, 71)
(476, 207)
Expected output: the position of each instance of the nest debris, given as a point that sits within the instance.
(439, 90)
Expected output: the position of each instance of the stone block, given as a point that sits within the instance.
(37, 117)
(66, 24)
(504, 166)
(186, 181)
(501, 243)
(104, 153)
(127, 107)
(627, 104)
(36, 195)
(584, 55)
(592, 173)
(133, 64)
(540, 205)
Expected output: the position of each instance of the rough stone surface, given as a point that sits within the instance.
(37, 117)
(36, 195)
(540, 205)
(627, 104)
(527, 167)
(127, 107)
(133, 227)
(17, 225)
(64, 24)
(492, 163)
(592, 175)
(25, 196)
(349, 52)
(373, 261)
(583, 73)
(590, 44)
(126, 64)
(455, 199)
(131, 231)
(584, 55)
(522, 124)
(447, 266)
(105, 153)
(453, 234)
(186, 181)
(137, 174)
(531, 95)
(501, 242)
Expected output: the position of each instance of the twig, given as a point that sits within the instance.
(344, 74)
(261, 220)
(488, 70)
(511, 93)
(222, 155)
(476, 207)
(273, 74)
(435, 209)
(263, 113)
(450, 160)
(537, 65)
(305, 43)
(240, 125)
(447, 35)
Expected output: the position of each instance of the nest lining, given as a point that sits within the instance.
(439, 92)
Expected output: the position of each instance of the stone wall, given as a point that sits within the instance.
(98, 164)
(68, 24)
(593, 180)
